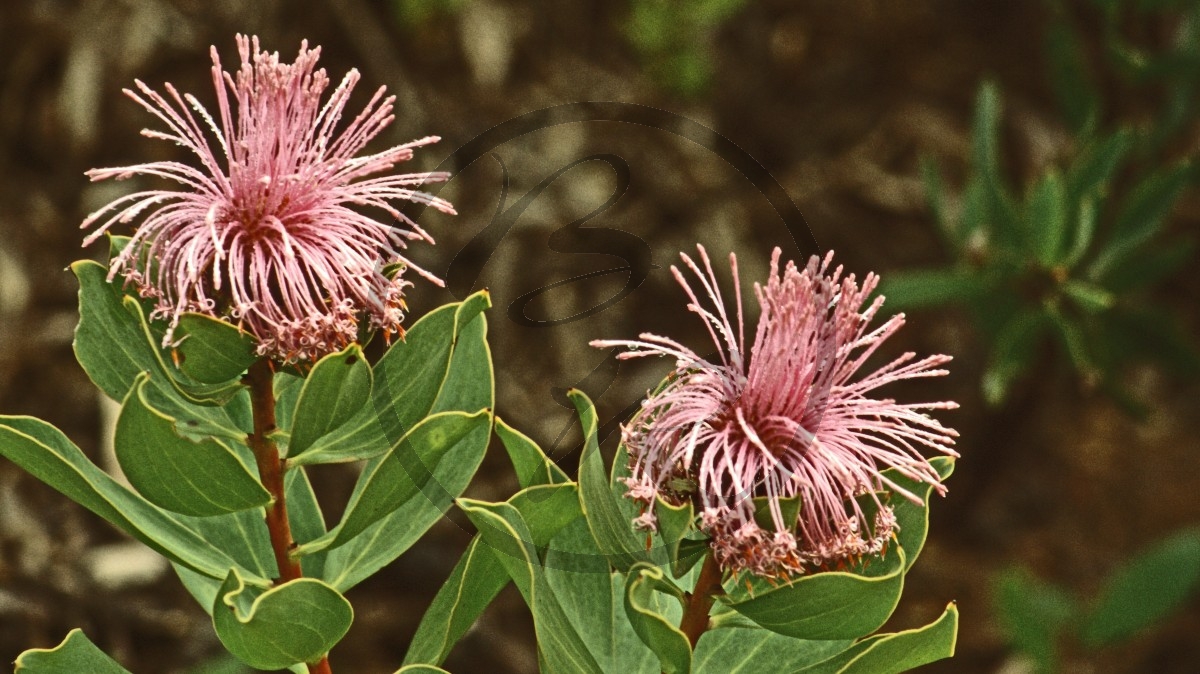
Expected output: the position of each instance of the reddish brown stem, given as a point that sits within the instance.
(700, 601)
(260, 379)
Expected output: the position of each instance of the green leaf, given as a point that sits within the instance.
(931, 179)
(421, 669)
(1148, 266)
(304, 512)
(669, 644)
(1082, 234)
(920, 288)
(742, 649)
(470, 383)
(912, 520)
(194, 478)
(1074, 340)
(405, 472)
(213, 351)
(503, 529)
(408, 381)
(612, 530)
(1093, 169)
(1142, 214)
(338, 387)
(43, 451)
(529, 461)
(1046, 218)
(1070, 78)
(894, 653)
(829, 605)
(1013, 351)
(473, 584)
(1090, 298)
(108, 342)
(1145, 589)
(985, 160)
(292, 623)
(1034, 614)
(75, 654)
(675, 522)
(479, 576)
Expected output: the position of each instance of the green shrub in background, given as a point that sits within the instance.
(1066, 262)
(1038, 617)
(674, 39)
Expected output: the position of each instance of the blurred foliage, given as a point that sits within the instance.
(1038, 616)
(1065, 263)
(415, 13)
(674, 39)
(1105, 54)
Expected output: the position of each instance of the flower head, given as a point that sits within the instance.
(754, 431)
(264, 231)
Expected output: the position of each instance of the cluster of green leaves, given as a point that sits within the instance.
(603, 597)
(1065, 264)
(421, 418)
(606, 599)
(1039, 616)
(674, 39)
(1146, 51)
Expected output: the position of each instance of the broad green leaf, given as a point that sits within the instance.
(473, 584)
(1146, 589)
(408, 380)
(593, 600)
(405, 472)
(479, 576)
(75, 654)
(529, 461)
(108, 342)
(674, 524)
(912, 520)
(338, 387)
(308, 524)
(194, 478)
(659, 633)
(829, 605)
(292, 623)
(612, 530)
(503, 529)
(469, 384)
(213, 351)
(43, 451)
(895, 653)
(1034, 614)
(747, 650)
(920, 288)
(1046, 219)
(1013, 351)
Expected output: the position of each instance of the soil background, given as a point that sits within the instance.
(833, 102)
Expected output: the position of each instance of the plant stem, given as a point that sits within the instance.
(700, 600)
(261, 379)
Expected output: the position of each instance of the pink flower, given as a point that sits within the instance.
(787, 419)
(267, 230)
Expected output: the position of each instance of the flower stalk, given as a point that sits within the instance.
(699, 602)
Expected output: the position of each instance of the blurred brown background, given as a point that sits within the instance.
(835, 100)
